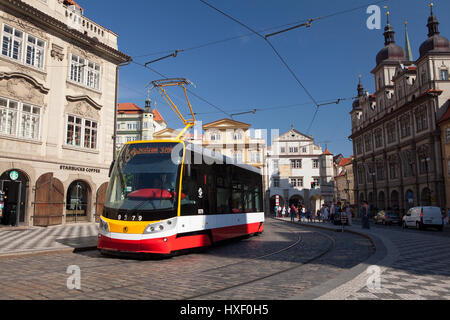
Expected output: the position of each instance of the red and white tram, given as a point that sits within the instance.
(169, 195)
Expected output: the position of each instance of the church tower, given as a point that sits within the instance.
(148, 126)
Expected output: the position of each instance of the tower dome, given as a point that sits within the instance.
(391, 51)
(435, 42)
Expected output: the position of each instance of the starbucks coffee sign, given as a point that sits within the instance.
(13, 175)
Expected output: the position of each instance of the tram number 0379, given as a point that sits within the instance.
(133, 217)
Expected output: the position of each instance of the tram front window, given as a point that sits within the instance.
(144, 182)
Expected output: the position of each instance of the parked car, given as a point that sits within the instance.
(387, 217)
(423, 217)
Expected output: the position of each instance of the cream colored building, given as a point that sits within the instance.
(235, 140)
(58, 72)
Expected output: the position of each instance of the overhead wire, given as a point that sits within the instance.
(253, 32)
(265, 38)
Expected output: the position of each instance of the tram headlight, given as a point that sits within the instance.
(103, 225)
(160, 226)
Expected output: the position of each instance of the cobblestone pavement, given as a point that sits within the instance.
(17, 241)
(247, 269)
(419, 272)
(416, 266)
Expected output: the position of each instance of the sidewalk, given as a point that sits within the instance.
(412, 265)
(70, 237)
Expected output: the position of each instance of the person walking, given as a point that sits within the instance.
(292, 213)
(325, 214)
(365, 215)
(349, 215)
(283, 212)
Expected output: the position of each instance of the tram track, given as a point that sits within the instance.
(329, 249)
(295, 243)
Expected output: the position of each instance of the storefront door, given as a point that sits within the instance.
(77, 204)
(13, 185)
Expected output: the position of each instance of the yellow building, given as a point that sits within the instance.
(234, 139)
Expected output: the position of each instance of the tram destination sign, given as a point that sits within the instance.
(79, 169)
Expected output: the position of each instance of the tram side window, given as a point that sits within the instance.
(237, 203)
(246, 191)
(257, 200)
(223, 195)
(189, 204)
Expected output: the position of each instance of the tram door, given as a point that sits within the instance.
(13, 193)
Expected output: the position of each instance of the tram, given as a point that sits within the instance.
(169, 195)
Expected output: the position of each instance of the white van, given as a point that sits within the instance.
(422, 217)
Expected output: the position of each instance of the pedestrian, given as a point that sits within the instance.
(318, 215)
(325, 214)
(365, 215)
(276, 211)
(292, 213)
(349, 215)
(288, 211)
(283, 212)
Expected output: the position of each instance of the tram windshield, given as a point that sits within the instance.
(144, 182)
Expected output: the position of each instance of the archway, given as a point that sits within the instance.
(409, 199)
(425, 197)
(78, 202)
(14, 186)
(296, 200)
(394, 203)
(273, 202)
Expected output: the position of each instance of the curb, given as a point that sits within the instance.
(46, 251)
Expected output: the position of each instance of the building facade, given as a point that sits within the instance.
(299, 172)
(444, 125)
(396, 139)
(234, 139)
(344, 181)
(135, 123)
(58, 72)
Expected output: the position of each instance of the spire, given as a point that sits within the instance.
(360, 87)
(433, 23)
(148, 105)
(388, 32)
(408, 50)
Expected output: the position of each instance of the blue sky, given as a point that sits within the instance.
(244, 74)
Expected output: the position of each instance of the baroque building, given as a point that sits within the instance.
(58, 93)
(299, 172)
(396, 138)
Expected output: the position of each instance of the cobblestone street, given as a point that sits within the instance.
(282, 262)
